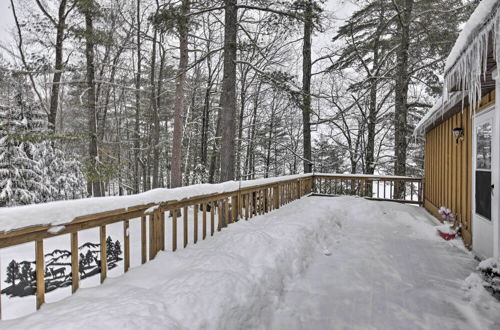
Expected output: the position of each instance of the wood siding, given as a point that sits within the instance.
(448, 168)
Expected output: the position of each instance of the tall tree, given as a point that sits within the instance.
(183, 30)
(404, 10)
(89, 9)
(228, 118)
(60, 26)
(306, 85)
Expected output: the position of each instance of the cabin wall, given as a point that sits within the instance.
(448, 168)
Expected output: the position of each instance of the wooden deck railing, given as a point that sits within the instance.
(381, 188)
(229, 207)
(212, 212)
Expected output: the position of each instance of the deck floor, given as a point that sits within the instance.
(385, 268)
(316, 263)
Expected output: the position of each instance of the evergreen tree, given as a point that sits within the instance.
(21, 179)
(12, 272)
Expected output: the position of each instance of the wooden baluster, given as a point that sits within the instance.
(156, 221)
(185, 226)
(247, 198)
(266, 201)
(104, 258)
(384, 188)
(240, 206)
(174, 229)
(249, 204)
(212, 218)
(195, 220)
(391, 194)
(226, 207)
(143, 240)
(40, 273)
(126, 245)
(276, 197)
(378, 189)
(75, 263)
(204, 235)
(234, 209)
(411, 191)
(220, 212)
(162, 230)
(152, 237)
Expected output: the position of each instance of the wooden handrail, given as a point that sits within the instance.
(375, 187)
(230, 206)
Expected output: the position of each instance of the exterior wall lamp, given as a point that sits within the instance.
(458, 133)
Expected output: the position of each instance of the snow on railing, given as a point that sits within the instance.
(204, 209)
(229, 202)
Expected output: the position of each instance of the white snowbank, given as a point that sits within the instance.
(62, 212)
(233, 280)
(387, 270)
(489, 265)
(317, 263)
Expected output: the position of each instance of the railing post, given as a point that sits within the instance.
(40, 273)
(234, 208)
(195, 220)
(104, 258)
(152, 237)
(143, 240)
(75, 263)
(174, 230)
(126, 245)
(276, 196)
(185, 225)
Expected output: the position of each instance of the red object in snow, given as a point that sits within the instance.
(447, 236)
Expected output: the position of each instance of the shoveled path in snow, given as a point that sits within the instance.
(385, 268)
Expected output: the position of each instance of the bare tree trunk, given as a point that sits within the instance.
(205, 122)
(54, 95)
(215, 149)
(371, 126)
(137, 142)
(94, 187)
(156, 116)
(306, 87)
(251, 135)
(270, 140)
(176, 173)
(243, 94)
(404, 8)
(229, 91)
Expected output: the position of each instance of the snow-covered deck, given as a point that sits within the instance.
(318, 263)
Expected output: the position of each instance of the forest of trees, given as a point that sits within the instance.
(108, 97)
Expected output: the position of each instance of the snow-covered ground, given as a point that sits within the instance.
(317, 263)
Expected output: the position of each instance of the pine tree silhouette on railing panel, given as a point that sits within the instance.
(21, 275)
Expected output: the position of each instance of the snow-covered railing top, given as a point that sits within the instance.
(59, 213)
(466, 64)
(209, 207)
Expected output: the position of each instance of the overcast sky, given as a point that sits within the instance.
(6, 20)
(339, 10)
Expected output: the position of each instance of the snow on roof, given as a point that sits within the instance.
(63, 212)
(467, 60)
(438, 110)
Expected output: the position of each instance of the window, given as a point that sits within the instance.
(483, 146)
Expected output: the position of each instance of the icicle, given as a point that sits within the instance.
(469, 68)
